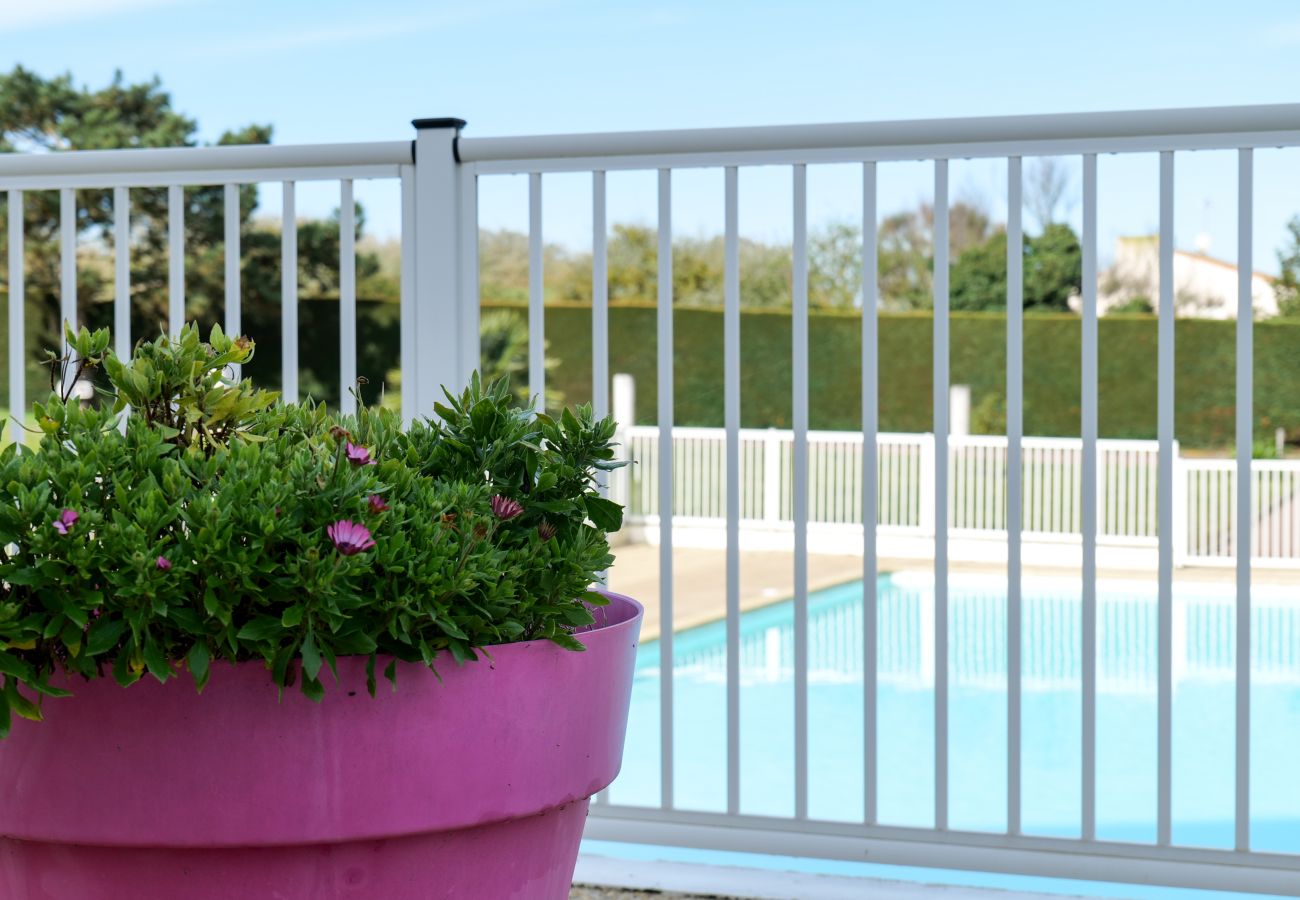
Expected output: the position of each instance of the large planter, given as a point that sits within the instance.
(474, 786)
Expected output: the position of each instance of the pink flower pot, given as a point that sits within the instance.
(475, 787)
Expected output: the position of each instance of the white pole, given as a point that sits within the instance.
(175, 259)
(17, 326)
(441, 357)
(347, 298)
(289, 295)
(959, 410)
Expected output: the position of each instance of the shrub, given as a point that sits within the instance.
(218, 525)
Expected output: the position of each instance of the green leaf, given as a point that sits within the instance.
(104, 635)
(14, 667)
(604, 514)
(390, 672)
(41, 686)
(5, 721)
(452, 630)
(578, 615)
(310, 658)
(567, 641)
(313, 689)
(187, 619)
(122, 672)
(327, 652)
(199, 658)
(281, 672)
(260, 628)
(569, 422)
(354, 644)
(24, 577)
(370, 675)
(20, 704)
(292, 617)
(156, 661)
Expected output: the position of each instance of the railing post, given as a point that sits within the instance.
(771, 476)
(440, 313)
(925, 482)
(1179, 517)
(623, 409)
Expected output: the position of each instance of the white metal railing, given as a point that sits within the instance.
(176, 168)
(1085, 136)
(439, 188)
(1051, 479)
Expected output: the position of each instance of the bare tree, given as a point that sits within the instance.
(1046, 183)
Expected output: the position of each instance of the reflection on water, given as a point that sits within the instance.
(1204, 667)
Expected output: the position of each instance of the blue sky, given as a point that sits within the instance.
(340, 71)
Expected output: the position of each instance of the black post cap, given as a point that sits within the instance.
(421, 124)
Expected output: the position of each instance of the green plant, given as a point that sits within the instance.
(1138, 305)
(217, 525)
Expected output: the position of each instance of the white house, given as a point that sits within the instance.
(1204, 287)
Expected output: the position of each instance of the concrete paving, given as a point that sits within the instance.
(700, 579)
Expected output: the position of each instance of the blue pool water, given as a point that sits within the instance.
(1203, 711)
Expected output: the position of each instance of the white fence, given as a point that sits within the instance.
(1240, 509)
(1204, 496)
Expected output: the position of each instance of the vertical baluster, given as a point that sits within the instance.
(599, 306)
(232, 254)
(536, 295)
(799, 486)
(17, 326)
(1242, 525)
(175, 259)
(941, 494)
(1088, 512)
(731, 416)
(599, 329)
(347, 299)
(122, 279)
(1015, 478)
(68, 270)
(122, 272)
(870, 488)
(1164, 494)
(289, 293)
(665, 367)
(407, 337)
(470, 313)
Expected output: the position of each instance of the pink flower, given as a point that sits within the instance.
(359, 456)
(377, 504)
(163, 563)
(63, 524)
(350, 538)
(545, 530)
(505, 509)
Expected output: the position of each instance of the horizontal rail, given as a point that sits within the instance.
(187, 177)
(1130, 131)
(920, 437)
(98, 163)
(1023, 855)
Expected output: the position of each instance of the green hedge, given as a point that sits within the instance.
(1204, 357)
(378, 345)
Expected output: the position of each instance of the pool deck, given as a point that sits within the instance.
(603, 878)
(700, 579)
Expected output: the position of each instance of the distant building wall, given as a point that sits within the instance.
(1204, 287)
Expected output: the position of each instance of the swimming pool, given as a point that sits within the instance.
(1203, 711)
